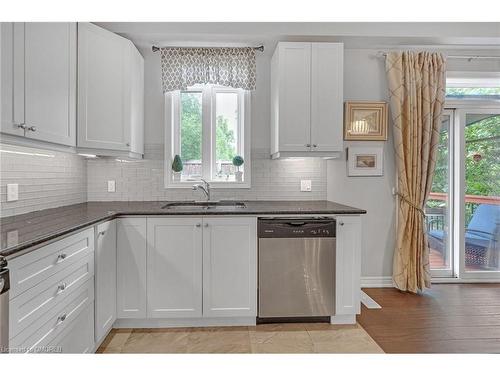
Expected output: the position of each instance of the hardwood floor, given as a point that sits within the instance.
(449, 318)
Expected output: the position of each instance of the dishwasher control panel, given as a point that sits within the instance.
(294, 228)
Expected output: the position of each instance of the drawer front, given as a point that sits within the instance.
(77, 337)
(27, 309)
(31, 269)
(55, 322)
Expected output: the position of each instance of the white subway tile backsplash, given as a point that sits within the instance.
(144, 179)
(46, 179)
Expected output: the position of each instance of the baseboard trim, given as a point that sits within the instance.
(377, 282)
(343, 319)
(183, 322)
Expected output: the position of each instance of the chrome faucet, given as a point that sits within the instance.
(205, 188)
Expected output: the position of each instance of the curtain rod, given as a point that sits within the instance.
(156, 49)
(466, 57)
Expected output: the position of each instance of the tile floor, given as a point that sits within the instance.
(266, 338)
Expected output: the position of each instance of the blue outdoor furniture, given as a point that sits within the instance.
(481, 235)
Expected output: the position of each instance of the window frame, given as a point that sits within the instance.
(172, 135)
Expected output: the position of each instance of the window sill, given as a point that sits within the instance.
(213, 185)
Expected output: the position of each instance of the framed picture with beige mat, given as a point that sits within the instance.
(365, 161)
(365, 121)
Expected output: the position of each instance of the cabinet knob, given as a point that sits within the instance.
(308, 145)
(206, 225)
(315, 146)
(198, 225)
(61, 287)
(20, 126)
(128, 144)
(341, 223)
(102, 233)
(61, 257)
(32, 128)
(61, 318)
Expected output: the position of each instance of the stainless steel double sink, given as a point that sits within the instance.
(204, 205)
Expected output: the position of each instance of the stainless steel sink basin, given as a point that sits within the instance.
(203, 205)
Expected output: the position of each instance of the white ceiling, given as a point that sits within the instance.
(468, 35)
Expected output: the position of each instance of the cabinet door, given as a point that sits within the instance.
(229, 267)
(103, 89)
(348, 265)
(174, 267)
(105, 281)
(12, 77)
(131, 267)
(294, 96)
(137, 101)
(327, 96)
(50, 81)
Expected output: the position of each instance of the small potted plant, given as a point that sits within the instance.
(177, 168)
(238, 162)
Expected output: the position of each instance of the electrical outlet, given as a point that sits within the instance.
(305, 185)
(12, 192)
(111, 186)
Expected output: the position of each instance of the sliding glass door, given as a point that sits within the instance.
(463, 209)
(438, 211)
(478, 234)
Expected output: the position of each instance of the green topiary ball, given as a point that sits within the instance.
(177, 164)
(238, 161)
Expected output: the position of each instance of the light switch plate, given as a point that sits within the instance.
(305, 185)
(12, 192)
(111, 186)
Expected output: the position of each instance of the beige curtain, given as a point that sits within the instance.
(417, 92)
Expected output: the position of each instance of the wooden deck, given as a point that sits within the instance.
(449, 318)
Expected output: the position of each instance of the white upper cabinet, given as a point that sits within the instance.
(229, 266)
(110, 93)
(39, 81)
(307, 99)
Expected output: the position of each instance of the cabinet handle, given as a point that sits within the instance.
(61, 257)
(61, 318)
(32, 128)
(61, 287)
(198, 225)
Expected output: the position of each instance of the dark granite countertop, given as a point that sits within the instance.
(33, 229)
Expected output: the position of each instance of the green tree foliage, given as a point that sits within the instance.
(191, 126)
(191, 131)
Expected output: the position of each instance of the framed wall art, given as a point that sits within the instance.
(365, 121)
(365, 161)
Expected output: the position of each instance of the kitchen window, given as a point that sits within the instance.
(210, 132)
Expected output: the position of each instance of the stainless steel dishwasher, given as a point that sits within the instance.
(296, 267)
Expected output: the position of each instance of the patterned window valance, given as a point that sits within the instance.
(184, 67)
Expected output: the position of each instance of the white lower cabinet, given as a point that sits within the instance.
(348, 266)
(174, 271)
(229, 267)
(131, 268)
(105, 279)
(201, 267)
